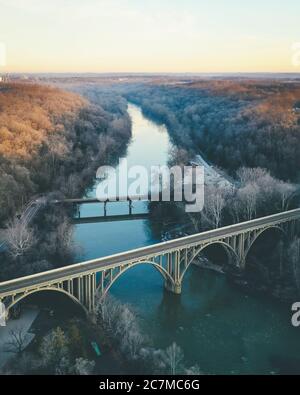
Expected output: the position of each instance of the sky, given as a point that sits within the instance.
(150, 36)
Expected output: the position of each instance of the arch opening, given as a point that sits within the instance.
(264, 258)
(48, 299)
(293, 201)
(218, 256)
(161, 270)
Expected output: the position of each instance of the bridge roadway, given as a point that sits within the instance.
(144, 253)
(31, 210)
(156, 196)
(110, 218)
(102, 200)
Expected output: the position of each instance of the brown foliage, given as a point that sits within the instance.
(29, 113)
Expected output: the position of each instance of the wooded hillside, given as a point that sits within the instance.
(50, 140)
(30, 114)
(233, 122)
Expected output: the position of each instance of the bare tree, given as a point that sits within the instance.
(248, 196)
(19, 237)
(271, 192)
(133, 341)
(54, 349)
(129, 331)
(122, 324)
(248, 175)
(196, 220)
(108, 311)
(193, 371)
(173, 357)
(154, 359)
(215, 202)
(285, 191)
(235, 208)
(65, 235)
(18, 339)
(84, 367)
(58, 147)
(178, 156)
(126, 320)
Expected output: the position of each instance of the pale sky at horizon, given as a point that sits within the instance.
(150, 36)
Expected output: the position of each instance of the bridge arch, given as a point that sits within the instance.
(291, 199)
(228, 249)
(51, 289)
(163, 272)
(260, 233)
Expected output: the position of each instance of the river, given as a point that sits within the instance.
(219, 327)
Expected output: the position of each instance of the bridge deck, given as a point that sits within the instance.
(102, 200)
(110, 218)
(144, 253)
(155, 196)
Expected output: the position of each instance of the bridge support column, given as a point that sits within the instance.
(242, 263)
(173, 268)
(130, 207)
(175, 288)
(292, 229)
(241, 251)
(77, 209)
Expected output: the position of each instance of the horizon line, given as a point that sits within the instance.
(149, 72)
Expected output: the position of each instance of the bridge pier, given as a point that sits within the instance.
(175, 288)
(240, 249)
(78, 210)
(242, 262)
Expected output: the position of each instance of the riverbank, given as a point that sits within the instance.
(213, 176)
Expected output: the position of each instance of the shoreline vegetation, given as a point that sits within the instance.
(63, 345)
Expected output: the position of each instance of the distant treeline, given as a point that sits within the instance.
(51, 140)
(234, 123)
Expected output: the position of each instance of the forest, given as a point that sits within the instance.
(233, 122)
(50, 140)
(51, 144)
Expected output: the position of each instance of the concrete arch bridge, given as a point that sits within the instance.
(84, 281)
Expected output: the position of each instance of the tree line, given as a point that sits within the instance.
(234, 123)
